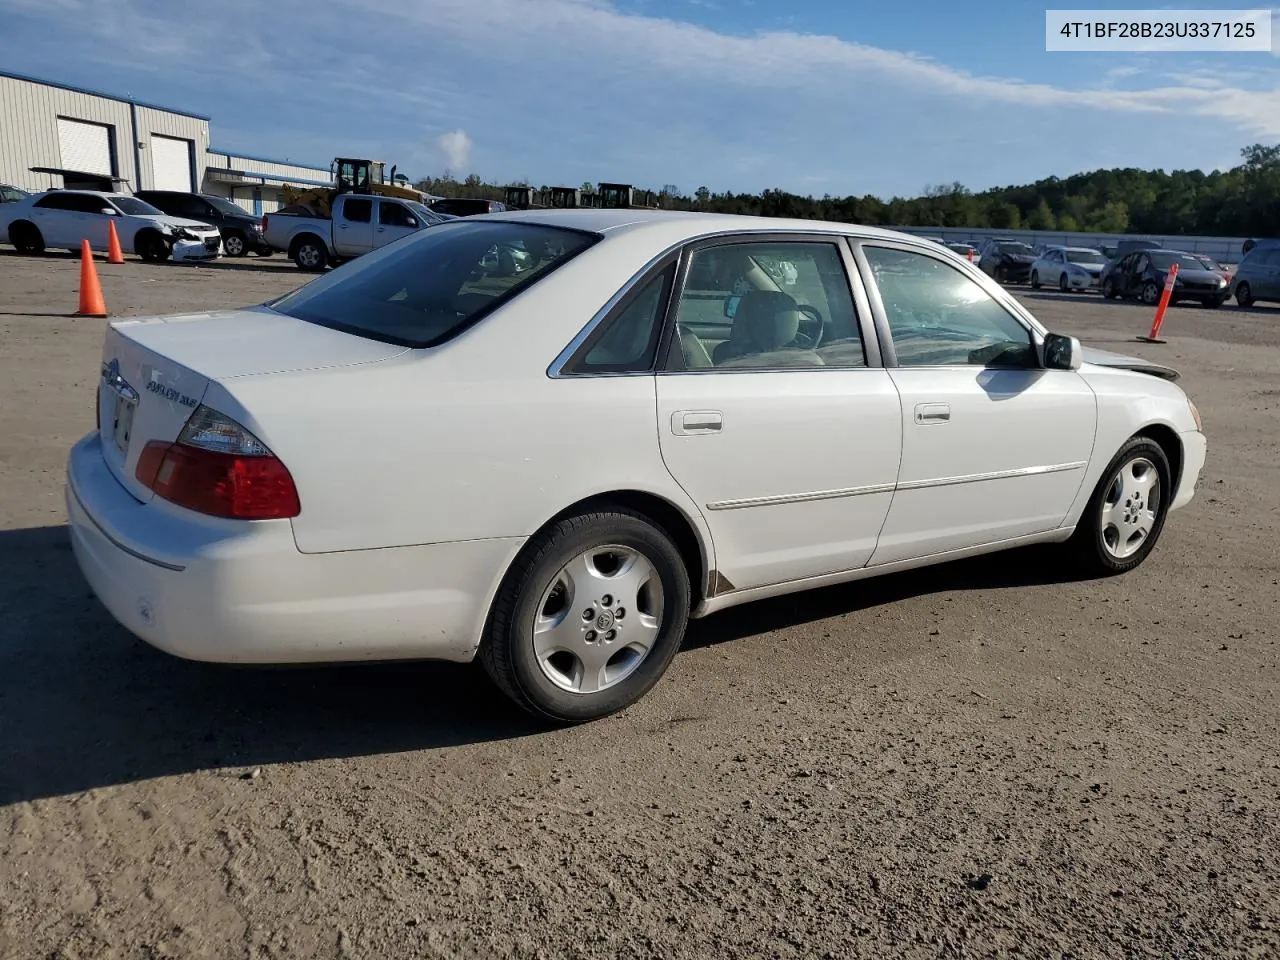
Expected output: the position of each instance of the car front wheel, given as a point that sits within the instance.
(1125, 516)
(1150, 293)
(234, 245)
(1064, 284)
(1244, 296)
(1035, 280)
(589, 617)
(1108, 289)
(151, 246)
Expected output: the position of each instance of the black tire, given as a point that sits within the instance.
(1063, 285)
(1213, 303)
(1035, 280)
(1151, 293)
(265, 252)
(1089, 543)
(150, 246)
(1244, 296)
(26, 238)
(235, 244)
(310, 254)
(507, 648)
(1108, 289)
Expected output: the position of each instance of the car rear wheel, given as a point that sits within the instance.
(1150, 293)
(1244, 296)
(26, 238)
(1125, 516)
(1035, 280)
(310, 255)
(1108, 289)
(589, 617)
(235, 245)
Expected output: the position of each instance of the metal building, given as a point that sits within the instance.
(57, 135)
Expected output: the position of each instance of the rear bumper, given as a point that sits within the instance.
(1195, 448)
(239, 592)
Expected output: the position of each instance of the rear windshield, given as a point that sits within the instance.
(430, 286)
(1085, 256)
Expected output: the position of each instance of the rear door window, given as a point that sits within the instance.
(357, 210)
(429, 286)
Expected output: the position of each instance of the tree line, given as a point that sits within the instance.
(1241, 202)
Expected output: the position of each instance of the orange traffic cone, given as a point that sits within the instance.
(114, 253)
(91, 302)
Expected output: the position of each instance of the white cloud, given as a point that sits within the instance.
(456, 148)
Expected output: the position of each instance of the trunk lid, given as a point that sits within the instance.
(155, 371)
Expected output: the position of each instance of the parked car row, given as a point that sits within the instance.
(65, 218)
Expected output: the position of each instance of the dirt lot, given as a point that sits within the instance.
(974, 760)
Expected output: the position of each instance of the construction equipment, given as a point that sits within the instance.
(521, 198)
(566, 198)
(350, 175)
(616, 195)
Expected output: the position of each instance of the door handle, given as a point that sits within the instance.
(933, 412)
(686, 422)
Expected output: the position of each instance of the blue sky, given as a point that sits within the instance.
(814, 96)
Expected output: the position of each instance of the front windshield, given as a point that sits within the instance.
(1163, 261)
(226, 206)
(424, 289)
(1085, 256)
(132, 206)
(1014, 248)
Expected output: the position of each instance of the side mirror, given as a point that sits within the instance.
(731, 306)
(413, 221)
(108, 211)
(1062, 353)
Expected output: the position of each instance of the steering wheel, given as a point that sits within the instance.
(811, 328)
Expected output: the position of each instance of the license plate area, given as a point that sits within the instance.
(122, 421)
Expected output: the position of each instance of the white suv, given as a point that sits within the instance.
(63, 218)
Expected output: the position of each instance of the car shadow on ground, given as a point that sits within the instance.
(84, 705)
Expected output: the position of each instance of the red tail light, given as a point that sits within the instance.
(217, 467)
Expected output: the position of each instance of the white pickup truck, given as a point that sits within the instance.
(359, 224)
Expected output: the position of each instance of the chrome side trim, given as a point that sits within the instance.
(893, 487)
(994, 475)
(175, 567)
(801, 497)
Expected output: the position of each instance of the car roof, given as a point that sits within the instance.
(691, 224)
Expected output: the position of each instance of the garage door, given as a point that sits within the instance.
(170, 163)
(85, 147)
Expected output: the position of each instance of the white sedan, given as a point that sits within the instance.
(423, 456)
(1068, 268)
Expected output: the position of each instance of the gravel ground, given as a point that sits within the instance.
(974, 760)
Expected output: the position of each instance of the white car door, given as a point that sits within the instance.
(994, 447)
(395, 220)
(353, 226)
(772, 420)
